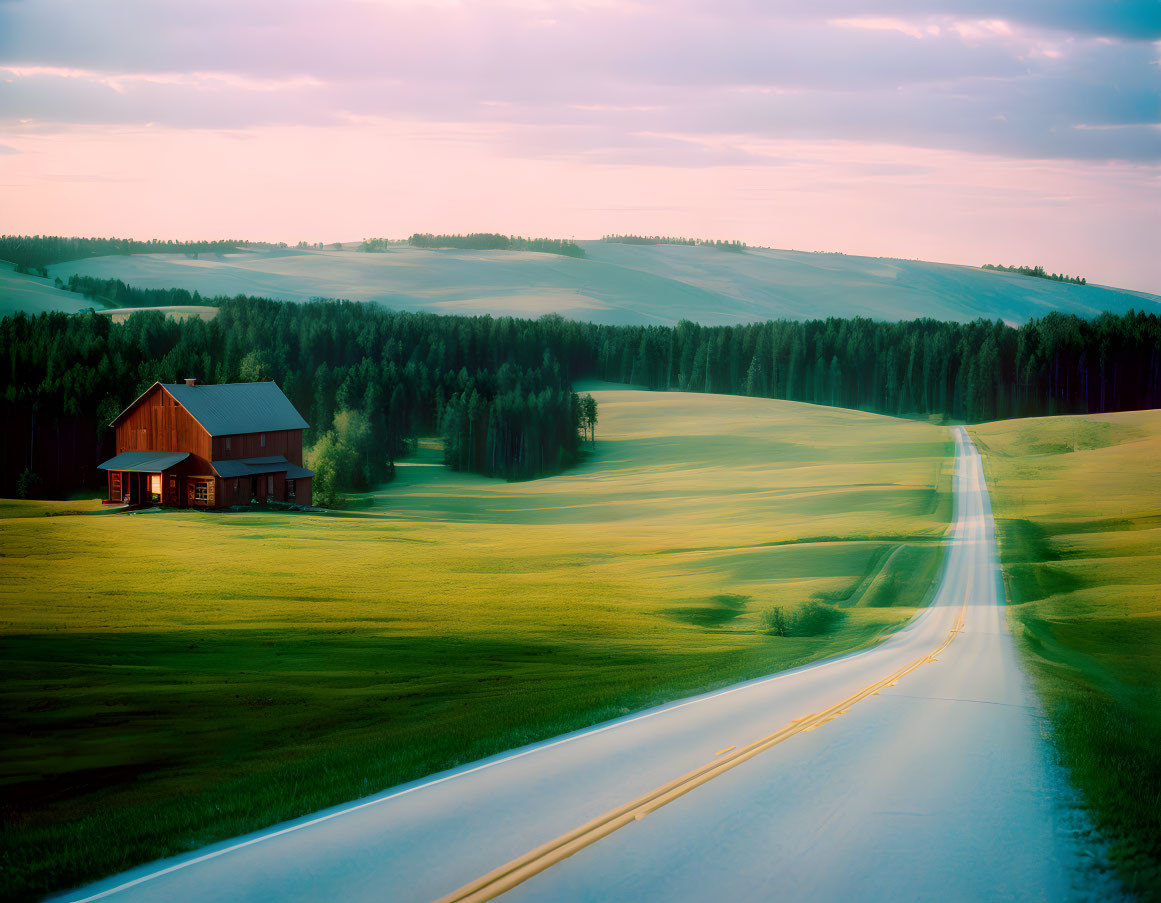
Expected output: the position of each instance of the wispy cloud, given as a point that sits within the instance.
(874, 23)
(600, 73)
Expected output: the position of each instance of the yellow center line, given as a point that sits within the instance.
(519, 870)
(727, 749)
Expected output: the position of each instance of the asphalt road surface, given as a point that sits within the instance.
(916, 770)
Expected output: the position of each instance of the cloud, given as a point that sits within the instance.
(603, 81)
(872, 23)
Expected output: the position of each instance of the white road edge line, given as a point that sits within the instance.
(382, 799)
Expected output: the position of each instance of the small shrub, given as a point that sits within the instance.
(816, 618)
(29, 485)
(775, 622)
(813, 619)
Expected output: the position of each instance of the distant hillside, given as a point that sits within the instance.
(34, 295)
(618, 283)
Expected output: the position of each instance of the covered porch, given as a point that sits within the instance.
(137, 479)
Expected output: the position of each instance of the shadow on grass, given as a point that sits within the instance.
(128, 747)
(721, 610)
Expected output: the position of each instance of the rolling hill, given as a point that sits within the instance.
(34, 295)
(616, 284)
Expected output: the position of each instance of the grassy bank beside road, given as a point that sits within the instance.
(1077, 502)
(171, 679)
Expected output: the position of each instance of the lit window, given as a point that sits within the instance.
(201, 492)
(155, 483)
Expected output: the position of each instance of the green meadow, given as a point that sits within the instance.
(177, 677)
(1077, 502)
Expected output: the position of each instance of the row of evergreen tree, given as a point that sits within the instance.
(1038, 271)
(493, 241)
(671, 240)
(964, 371)
(113, 293)
(500, 389)
(33, 253)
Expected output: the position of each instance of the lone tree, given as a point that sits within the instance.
(589, 416)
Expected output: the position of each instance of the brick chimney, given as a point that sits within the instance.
(191, 382)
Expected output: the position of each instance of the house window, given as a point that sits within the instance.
(262, 440)
(290, 490)
(227, 445)
(270, 486)
(201, 492)
(235, 487)
(155, 487)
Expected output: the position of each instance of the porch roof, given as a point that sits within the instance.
(245, 467)
(144, 461)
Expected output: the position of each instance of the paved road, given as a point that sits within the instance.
(938, 786)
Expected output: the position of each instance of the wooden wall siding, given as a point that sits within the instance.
(193, 466)
(159, 423)
(249, 445)
(237, 491)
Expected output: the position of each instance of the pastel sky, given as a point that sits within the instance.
(958, 130)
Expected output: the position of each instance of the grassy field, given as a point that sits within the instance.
(173, 678)
(1078, 508)
(621, 284)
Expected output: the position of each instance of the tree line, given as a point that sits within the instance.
(368, 380)
(113, 293)
(34, 253)
(380, 244)
(500, 389)
(1037, 271)
(493, 241)
(670, 240)
(1059, 364)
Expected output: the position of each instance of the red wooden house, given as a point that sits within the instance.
(191, 445)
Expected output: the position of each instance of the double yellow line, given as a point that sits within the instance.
(519, 870)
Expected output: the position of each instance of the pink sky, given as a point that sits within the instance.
(938, 136)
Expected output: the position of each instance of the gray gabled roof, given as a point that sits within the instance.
(144, 461)
(233, 408)
(245, 467)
